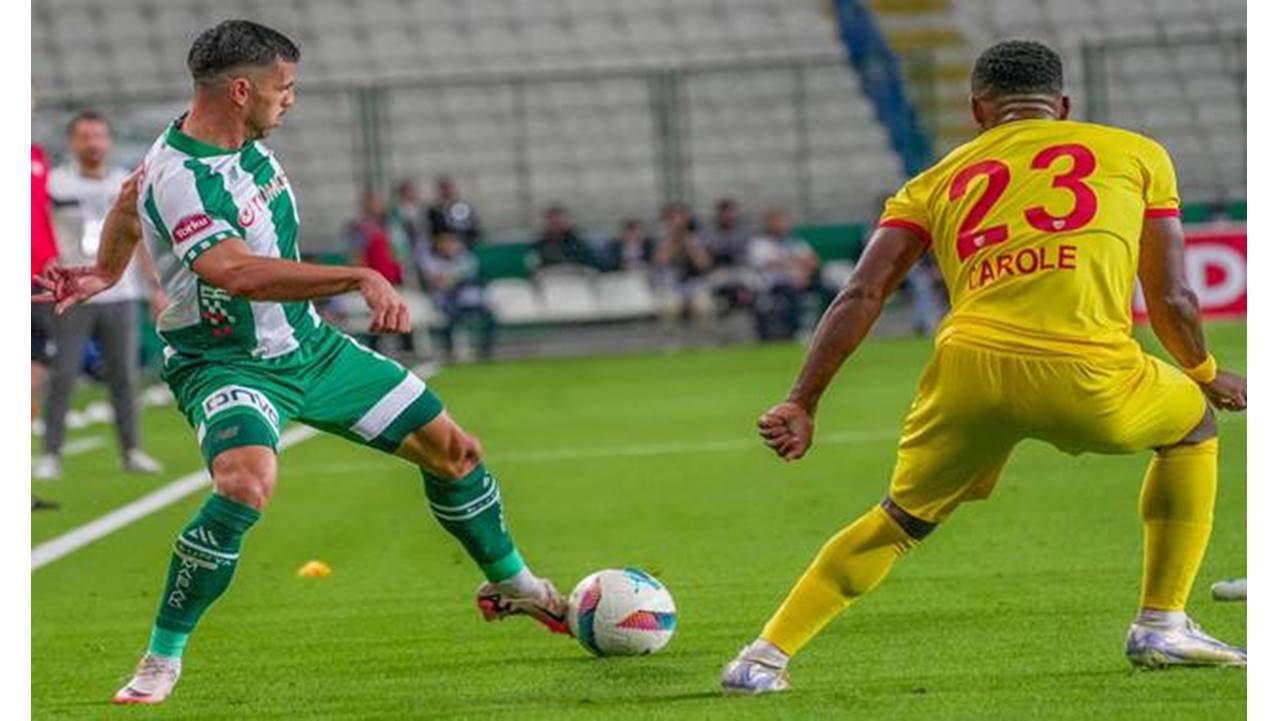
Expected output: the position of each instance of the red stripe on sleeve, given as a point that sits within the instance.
(1163, 213)
(912, 226)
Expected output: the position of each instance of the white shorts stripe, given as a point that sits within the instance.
(386, 410)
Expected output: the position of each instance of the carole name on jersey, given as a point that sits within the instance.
(1023, 262)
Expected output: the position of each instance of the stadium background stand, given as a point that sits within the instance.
(554, 94)
(614, 107)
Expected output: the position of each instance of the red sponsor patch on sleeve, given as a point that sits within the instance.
(190, 225)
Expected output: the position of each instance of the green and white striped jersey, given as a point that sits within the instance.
(195, 196)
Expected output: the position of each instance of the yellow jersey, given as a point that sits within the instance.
(1035, 225)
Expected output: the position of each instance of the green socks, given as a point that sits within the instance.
(470, 508)
(204, 559)
(205, 554)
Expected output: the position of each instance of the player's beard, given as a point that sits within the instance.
(258, 131)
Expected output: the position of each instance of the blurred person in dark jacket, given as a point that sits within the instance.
(559, 243)
(681, 267)
(633, 249)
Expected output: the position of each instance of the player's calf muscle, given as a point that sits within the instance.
(246, 474)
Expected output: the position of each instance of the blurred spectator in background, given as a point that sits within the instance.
(788, 269)
(928, 300)
(681, 265)
(727, 237)
(633, 249)
(923, 286)
(559, 244)
(452, 274)
(82, 191)
(452, 214)
(407, 224)
(369, 244)
(44, 250)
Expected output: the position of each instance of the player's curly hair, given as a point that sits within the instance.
(1017, 67)
(233, 44)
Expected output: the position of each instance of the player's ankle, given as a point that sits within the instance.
(166, 643)
(767, 653)
(523, 583)
(1161, 618)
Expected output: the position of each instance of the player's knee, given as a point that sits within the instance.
(245, 475)
(916, 528)
(455, 457)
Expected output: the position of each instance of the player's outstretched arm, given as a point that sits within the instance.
(230, 266)
(787, 428)
(1175, 311)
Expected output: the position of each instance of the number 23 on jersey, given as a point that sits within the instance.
(974, 236)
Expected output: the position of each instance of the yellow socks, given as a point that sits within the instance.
(850, 564)
(1177, 516)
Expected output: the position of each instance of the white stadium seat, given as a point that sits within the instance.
(625, 294)
(514, 301)
(568, 296)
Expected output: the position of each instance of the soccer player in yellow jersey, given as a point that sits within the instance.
(1040, 226)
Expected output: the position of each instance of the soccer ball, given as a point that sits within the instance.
(621, 612)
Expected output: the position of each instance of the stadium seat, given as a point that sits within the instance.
(515, 301)
(625, 295)
(567, 295)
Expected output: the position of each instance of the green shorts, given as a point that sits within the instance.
(331, 383)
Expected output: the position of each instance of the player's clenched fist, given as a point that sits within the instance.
(787, 428)
(390, 314)
(1227, 391)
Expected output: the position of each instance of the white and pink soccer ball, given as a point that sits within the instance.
(622, 612)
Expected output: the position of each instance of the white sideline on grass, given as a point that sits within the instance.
(176, 490)
(79, 537)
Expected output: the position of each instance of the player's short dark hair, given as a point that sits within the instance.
(237, 43)
(88, 115)
(1017, 67)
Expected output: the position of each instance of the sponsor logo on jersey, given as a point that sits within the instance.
(247, 216)
(228, 397)
(191, 225)
(270, 189)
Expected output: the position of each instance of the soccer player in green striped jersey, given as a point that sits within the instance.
(246, 352)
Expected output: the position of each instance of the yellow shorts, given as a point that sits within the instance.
(974, 405)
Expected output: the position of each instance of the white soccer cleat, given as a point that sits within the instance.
(46, 467)
(1234, 589)
(136, 461)
(547, 607)
(1188, 645)
(748, 676)
(152, 682)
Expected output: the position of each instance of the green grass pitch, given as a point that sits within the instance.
(1014, 609)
